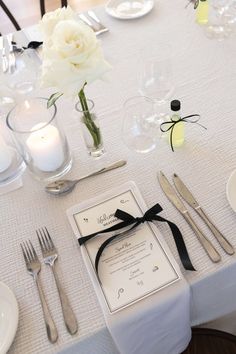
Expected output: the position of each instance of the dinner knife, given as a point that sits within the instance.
(189, 198)
(177, 202)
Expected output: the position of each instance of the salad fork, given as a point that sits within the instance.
(50, 255)
(33, 266)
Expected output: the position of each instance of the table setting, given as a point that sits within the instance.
(128, 116)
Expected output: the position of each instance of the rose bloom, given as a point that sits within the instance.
(51, 19)
(72, 57)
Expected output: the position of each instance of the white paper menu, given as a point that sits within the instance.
(135, 264)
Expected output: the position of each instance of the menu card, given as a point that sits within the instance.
(135, 264)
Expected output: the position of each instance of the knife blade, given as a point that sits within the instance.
(177, 202)
(11, 54)
(89, 23)
(189, 198)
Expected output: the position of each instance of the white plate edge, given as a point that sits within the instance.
(15, 324)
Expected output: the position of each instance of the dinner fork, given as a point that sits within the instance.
(33, 266)
(50, 255)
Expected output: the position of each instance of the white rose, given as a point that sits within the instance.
(51, 19)
(73, 58)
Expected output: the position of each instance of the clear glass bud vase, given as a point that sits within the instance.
(90, 128)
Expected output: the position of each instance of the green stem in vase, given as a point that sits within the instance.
(88, 120)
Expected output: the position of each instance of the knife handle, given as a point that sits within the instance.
(218, 235)
(206, 244)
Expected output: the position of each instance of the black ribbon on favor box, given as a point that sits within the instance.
(127, 219)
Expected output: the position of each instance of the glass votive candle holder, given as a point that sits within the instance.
(39, 138)
(11, 162)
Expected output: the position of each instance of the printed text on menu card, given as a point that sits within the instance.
(134, 265)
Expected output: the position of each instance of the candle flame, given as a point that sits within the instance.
(26, 104)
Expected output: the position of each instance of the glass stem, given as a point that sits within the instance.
(88, 120)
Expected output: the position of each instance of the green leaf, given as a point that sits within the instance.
(53, 98)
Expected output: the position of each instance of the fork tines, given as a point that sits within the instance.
(44, 238)
(28, 251)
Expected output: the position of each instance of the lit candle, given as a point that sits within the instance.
(5, 156)
(45, 147)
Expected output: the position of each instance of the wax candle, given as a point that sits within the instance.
(45, 147)
(5, 156)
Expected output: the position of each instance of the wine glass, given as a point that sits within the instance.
(24, 78)
(218, 26)
(140, 130)
(155, 77)
(230, 14)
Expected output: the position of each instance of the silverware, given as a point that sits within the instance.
(11, 54)
(97, 31)
(3, 55)
(94, 17)
(66, 186)
(176, 201)
(189, 198)
(50, 255)
(33, 266)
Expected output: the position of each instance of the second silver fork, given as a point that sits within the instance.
(33, 266)
(50, 255)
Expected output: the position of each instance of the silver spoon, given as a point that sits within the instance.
(66, 186)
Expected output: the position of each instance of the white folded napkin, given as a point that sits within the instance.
(156, 324)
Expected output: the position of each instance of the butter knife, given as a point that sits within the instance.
(189, 198)
(177, 202)
(89, 23)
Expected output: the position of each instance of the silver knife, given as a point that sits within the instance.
(177, 202)
(89, 23)
(11, 54)
(92, 15)
(189, 198)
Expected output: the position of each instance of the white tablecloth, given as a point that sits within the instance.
(205, 81)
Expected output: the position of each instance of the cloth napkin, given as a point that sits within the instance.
(157, 324)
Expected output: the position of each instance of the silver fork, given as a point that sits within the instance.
(50, 255)
(33, 266)
(97, 31)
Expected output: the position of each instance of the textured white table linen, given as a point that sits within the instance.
(7, 188)
(205, 80)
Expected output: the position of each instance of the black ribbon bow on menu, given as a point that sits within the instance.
(170, 125)
(127, 219)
